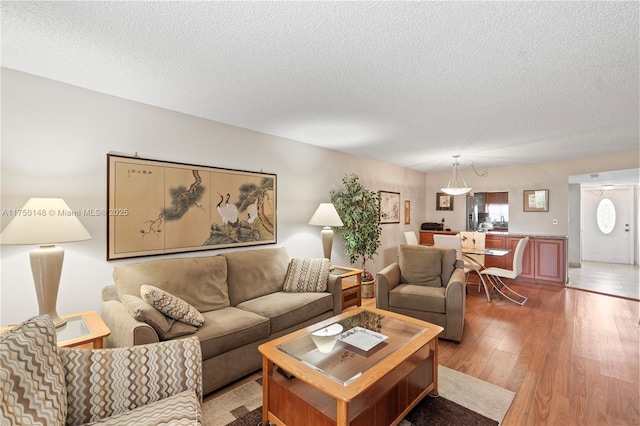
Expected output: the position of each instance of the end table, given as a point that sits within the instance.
(351, 291)
(81, 329)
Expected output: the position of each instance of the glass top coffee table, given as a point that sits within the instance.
(366, 366)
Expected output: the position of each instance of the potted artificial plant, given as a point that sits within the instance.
(359, 209)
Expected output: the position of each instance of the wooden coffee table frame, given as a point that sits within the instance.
(383, 395)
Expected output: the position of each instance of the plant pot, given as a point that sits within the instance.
(368, 289)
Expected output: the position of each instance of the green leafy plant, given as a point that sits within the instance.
(359, 209)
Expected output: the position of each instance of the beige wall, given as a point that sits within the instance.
(55, 139)
(551, 176)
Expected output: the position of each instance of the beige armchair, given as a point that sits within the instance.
(153, 384)
(427, 283)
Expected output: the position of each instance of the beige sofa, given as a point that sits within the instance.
(46, 385)
(427, 283)
(240, 295)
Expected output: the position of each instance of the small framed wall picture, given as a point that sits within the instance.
(407, 212)
(535, 200)
(444, 201)
(389, 207)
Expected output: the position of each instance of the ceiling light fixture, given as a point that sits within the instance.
(453, 188)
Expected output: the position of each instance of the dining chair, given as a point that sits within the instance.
(454, 242)
(411, 238)
(495, 275)
(470, 240)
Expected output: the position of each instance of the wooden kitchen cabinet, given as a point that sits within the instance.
(551, 260)
(496, 241)
(426, 237)
(544, 258)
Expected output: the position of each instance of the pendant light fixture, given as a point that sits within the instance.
(453, 188)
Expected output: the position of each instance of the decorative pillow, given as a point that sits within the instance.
(31, 373)
(420, 265)
(171, 305)
(307, 275)
(167, 328)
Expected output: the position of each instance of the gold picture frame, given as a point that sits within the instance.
(407, 212)
(162, 207)
(444, 201)
(535, 200)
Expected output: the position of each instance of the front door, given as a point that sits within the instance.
(607, 228)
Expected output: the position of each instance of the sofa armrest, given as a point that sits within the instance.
(334, 286)
(455, 305)
(125, 330)
(386, 280)
(105, 382)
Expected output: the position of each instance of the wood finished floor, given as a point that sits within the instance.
(571, 356)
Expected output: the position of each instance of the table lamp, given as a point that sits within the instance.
(326, 216)
(45, 221)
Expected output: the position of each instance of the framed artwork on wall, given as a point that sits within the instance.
(444, 201)
(535, 200)
(162, 207)
(407, 212)
(389, 207)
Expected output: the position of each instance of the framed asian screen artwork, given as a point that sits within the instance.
(389, 207)
(161, 207)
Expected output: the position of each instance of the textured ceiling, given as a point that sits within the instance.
(410, 83)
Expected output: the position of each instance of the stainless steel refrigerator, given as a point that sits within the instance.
(475, 211)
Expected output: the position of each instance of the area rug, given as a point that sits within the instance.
(463, 400)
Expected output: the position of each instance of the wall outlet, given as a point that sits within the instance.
(555, 221)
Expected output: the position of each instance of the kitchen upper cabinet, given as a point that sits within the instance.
(496, 198)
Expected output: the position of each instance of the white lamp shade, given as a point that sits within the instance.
(453, 188)
(455, 191)
(326, 215)
(44, 221)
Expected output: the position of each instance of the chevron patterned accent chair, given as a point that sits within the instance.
(159, 383)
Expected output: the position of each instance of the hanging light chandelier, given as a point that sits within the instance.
(453, 188)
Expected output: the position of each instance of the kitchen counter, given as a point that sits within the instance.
(544, 260)
(531, 235)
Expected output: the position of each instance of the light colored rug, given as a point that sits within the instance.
(477, 395)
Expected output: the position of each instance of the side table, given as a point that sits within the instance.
(81, 329)
(351, 290)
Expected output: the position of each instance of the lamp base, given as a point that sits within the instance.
(327, 241)
(46, 267)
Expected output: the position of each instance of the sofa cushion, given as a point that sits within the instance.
(199, 281)
(170, 305)
(254, 273)
(31, 374)
(230, 328)
(305, 275)
(166, 328)
(420, 265)
(449, 260)
(419, 298)
(182, 409)
(288, 309)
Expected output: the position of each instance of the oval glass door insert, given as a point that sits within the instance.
(606, 215)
